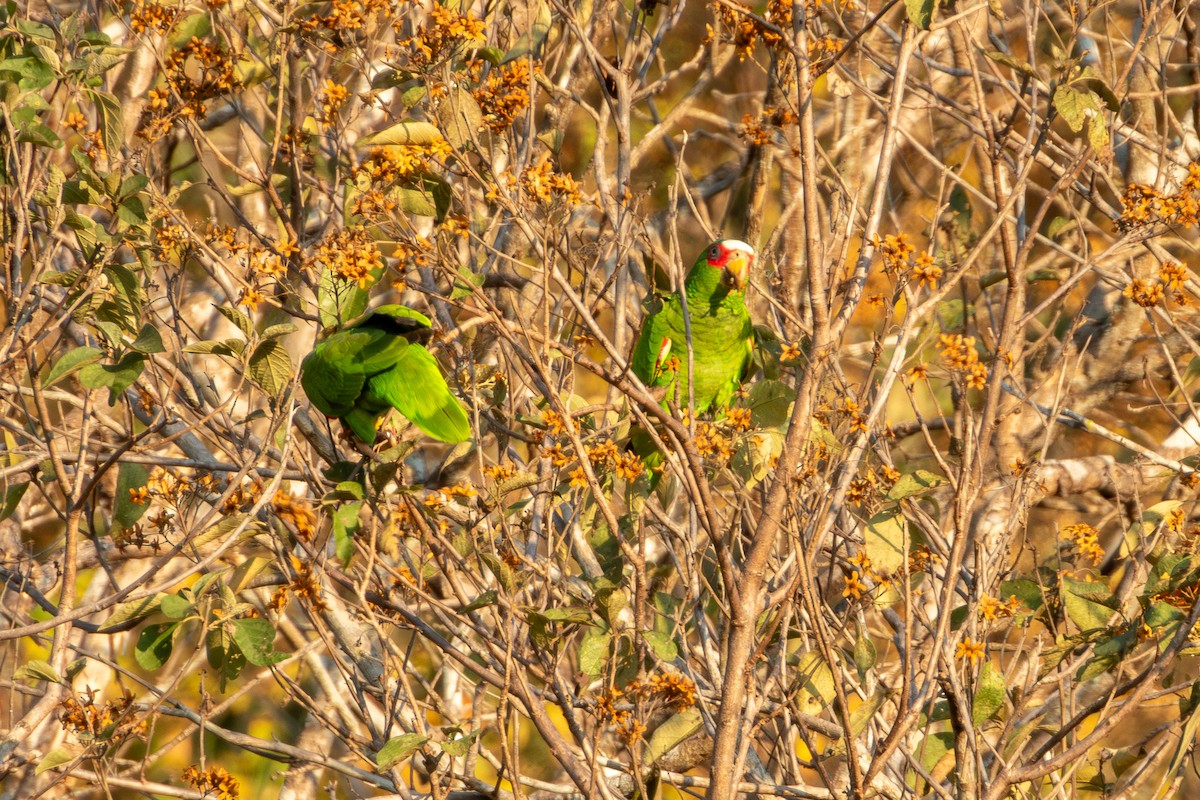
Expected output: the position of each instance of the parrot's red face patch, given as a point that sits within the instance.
(733, 258)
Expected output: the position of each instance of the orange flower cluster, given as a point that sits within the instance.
(1086, 540)
(445, 31)
(153, 17)
(346, 16)
(503, 96)
(1146, 294)
(296, 512)
(1144, 205)
(544, 185)
(108, 721)
(712, 443)
(628, 727)
(351, 255)
(214, 781)
(195, 73)
(387, 166)
(1172, 276)
(333, 97)
(959, 355)
(242, 498)
(925, 271)
(743, 28)
(970, 650)
(896, 252)
(500, 472)
(992, 609)
(607, 456)
(757, 129)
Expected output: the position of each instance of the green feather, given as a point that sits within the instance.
(360, 373)
(721, 337)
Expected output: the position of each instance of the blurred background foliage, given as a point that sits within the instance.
(943, 544)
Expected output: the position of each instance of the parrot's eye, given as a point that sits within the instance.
(714, 252)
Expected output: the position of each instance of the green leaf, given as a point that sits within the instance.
(1025, 590)
(399, 748)
(132, 212)
(920, 13)
(130, 479)
(71, 362)
(531, 40)
(339, 301)
(887, 541)
(915, 483)
(594, 651)
(860, 717)
(405, 132)
(39, 135)
(816, 684)
(239, 319)
(1075, 106)
(770, 403)
(428, 196)
(117, 377)
(465, 283)
(676, 730)
(223, 654)
(132, 611)
(502, 571)
(935, 747)
(278, 330)
(12, 498)
(484, 600)
(345, 526)
(270, 366)
(175, 607)
(1098, 136)
(1089, 604)
(148, 340)
(989, 694)
(197, 25)
(37, 670)
(255, 637)
(1022, 67)
(58, 757)
(112, 121)
(865, 655)
(459, 118)
(460, 747)
(225, 347)
(153, 648)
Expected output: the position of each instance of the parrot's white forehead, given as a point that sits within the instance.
(737, 244)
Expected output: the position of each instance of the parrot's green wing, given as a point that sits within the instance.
(359, 373)
(661, 337)
(414, 386)
(335, 372)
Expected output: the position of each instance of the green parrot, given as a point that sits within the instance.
(722, 338)
(721, 331)
(370, 366)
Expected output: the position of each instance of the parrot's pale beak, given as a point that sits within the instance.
(737, 269)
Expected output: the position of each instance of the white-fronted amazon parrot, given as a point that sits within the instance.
(721, 332)
(722, 337)
(371, 366)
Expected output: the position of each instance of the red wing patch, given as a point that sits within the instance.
(664, 352)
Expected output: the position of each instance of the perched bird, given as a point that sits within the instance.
(371, 366)
(721, 332)
(722, 337)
